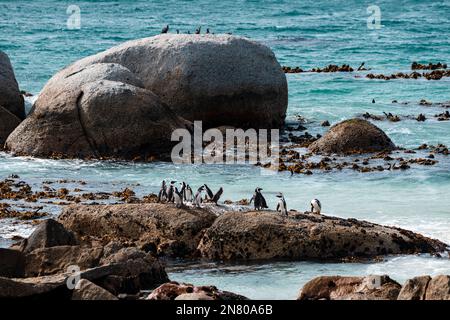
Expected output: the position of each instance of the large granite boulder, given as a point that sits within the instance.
(353, 136)
(8, 122)
(268, 235)
(158, 228)
(10, 97)
(99, 110)
(350, 288)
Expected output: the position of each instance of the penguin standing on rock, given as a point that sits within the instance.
(162, 195)
(165, 29)
(198, 30)
(178, 197)
(211, 196)
(198, 197)
(169, 191)
(316, 206)
(188, 195)
(259, 200)
(281, 206)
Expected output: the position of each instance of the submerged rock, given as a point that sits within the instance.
(10, 97)
(158, 228)
(350, 288)
(267, 235)
(183, 291)
(353, 136)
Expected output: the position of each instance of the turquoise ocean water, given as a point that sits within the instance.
(301, 33)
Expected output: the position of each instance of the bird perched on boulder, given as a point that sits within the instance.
(165, 29)
(259, 200)
(198, 30)
(281, 206)
(316, 206)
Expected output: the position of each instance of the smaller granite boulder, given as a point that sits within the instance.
(183, 291)
(353, 136)
(86, 290)
(414, 289)
(439, 288)
(350, 288)
(49, 233)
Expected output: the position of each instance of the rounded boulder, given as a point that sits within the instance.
(353, 136)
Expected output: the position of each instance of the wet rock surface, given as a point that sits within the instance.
(266, 235)
(159, 228)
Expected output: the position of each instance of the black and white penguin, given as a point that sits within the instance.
(316, 206)
(169, 191)
(259, 200)
(183, 189)
(281, 206)
(162, 195)
(178, 198)
(188, 194)
(198, 197)
(198, 30)
(207, 31)
(178, 31)
(165, 29)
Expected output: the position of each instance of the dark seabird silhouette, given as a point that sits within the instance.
(207, 31)
(211, 196)
(373, 100)
(162, 192)
(165, 29)
(178, 31)
(198, 30)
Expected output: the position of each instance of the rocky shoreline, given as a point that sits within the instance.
(119, 250)
(376, 287)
